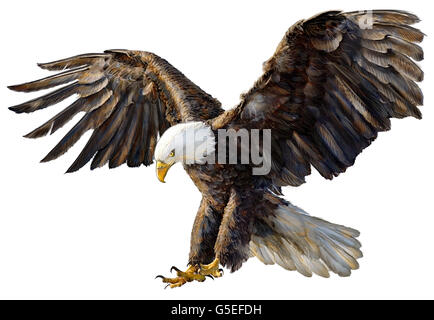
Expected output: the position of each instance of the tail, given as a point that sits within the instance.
(296, 241)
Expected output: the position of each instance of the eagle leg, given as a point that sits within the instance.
(211, 269)
(182, 277)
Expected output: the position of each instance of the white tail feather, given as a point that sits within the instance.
(307, 244)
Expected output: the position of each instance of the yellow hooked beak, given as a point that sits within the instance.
(162, 169)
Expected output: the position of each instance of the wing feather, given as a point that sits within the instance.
(122, 146)
(125, 101)
(135, 157)
(47, 100)
(333, 83)
(91, 120)
(52, 81)
(396, 45)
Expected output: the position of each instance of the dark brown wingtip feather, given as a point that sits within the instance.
(39, 132)
(45, 159)
(389, 16)
(16, 109)
(46, 100)
(396, 16)
(71, 169)
(52, 155)
(71, 62)
(416, 113)
(20, 108)
(15, 87)
(51, 81)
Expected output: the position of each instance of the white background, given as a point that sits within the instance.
(108, 233)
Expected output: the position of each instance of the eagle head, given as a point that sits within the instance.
(188, 142)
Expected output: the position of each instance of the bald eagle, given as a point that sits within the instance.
(333, 83)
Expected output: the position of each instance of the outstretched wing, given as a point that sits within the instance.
(331, 86)
(128, 99)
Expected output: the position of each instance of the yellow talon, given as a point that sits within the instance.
(193, 273)
(183, 277)
(211, 269)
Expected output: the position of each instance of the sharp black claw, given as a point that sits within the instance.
(221, 270)
(174, 268)
(166, 286)
(209, 276)
(159, 276)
